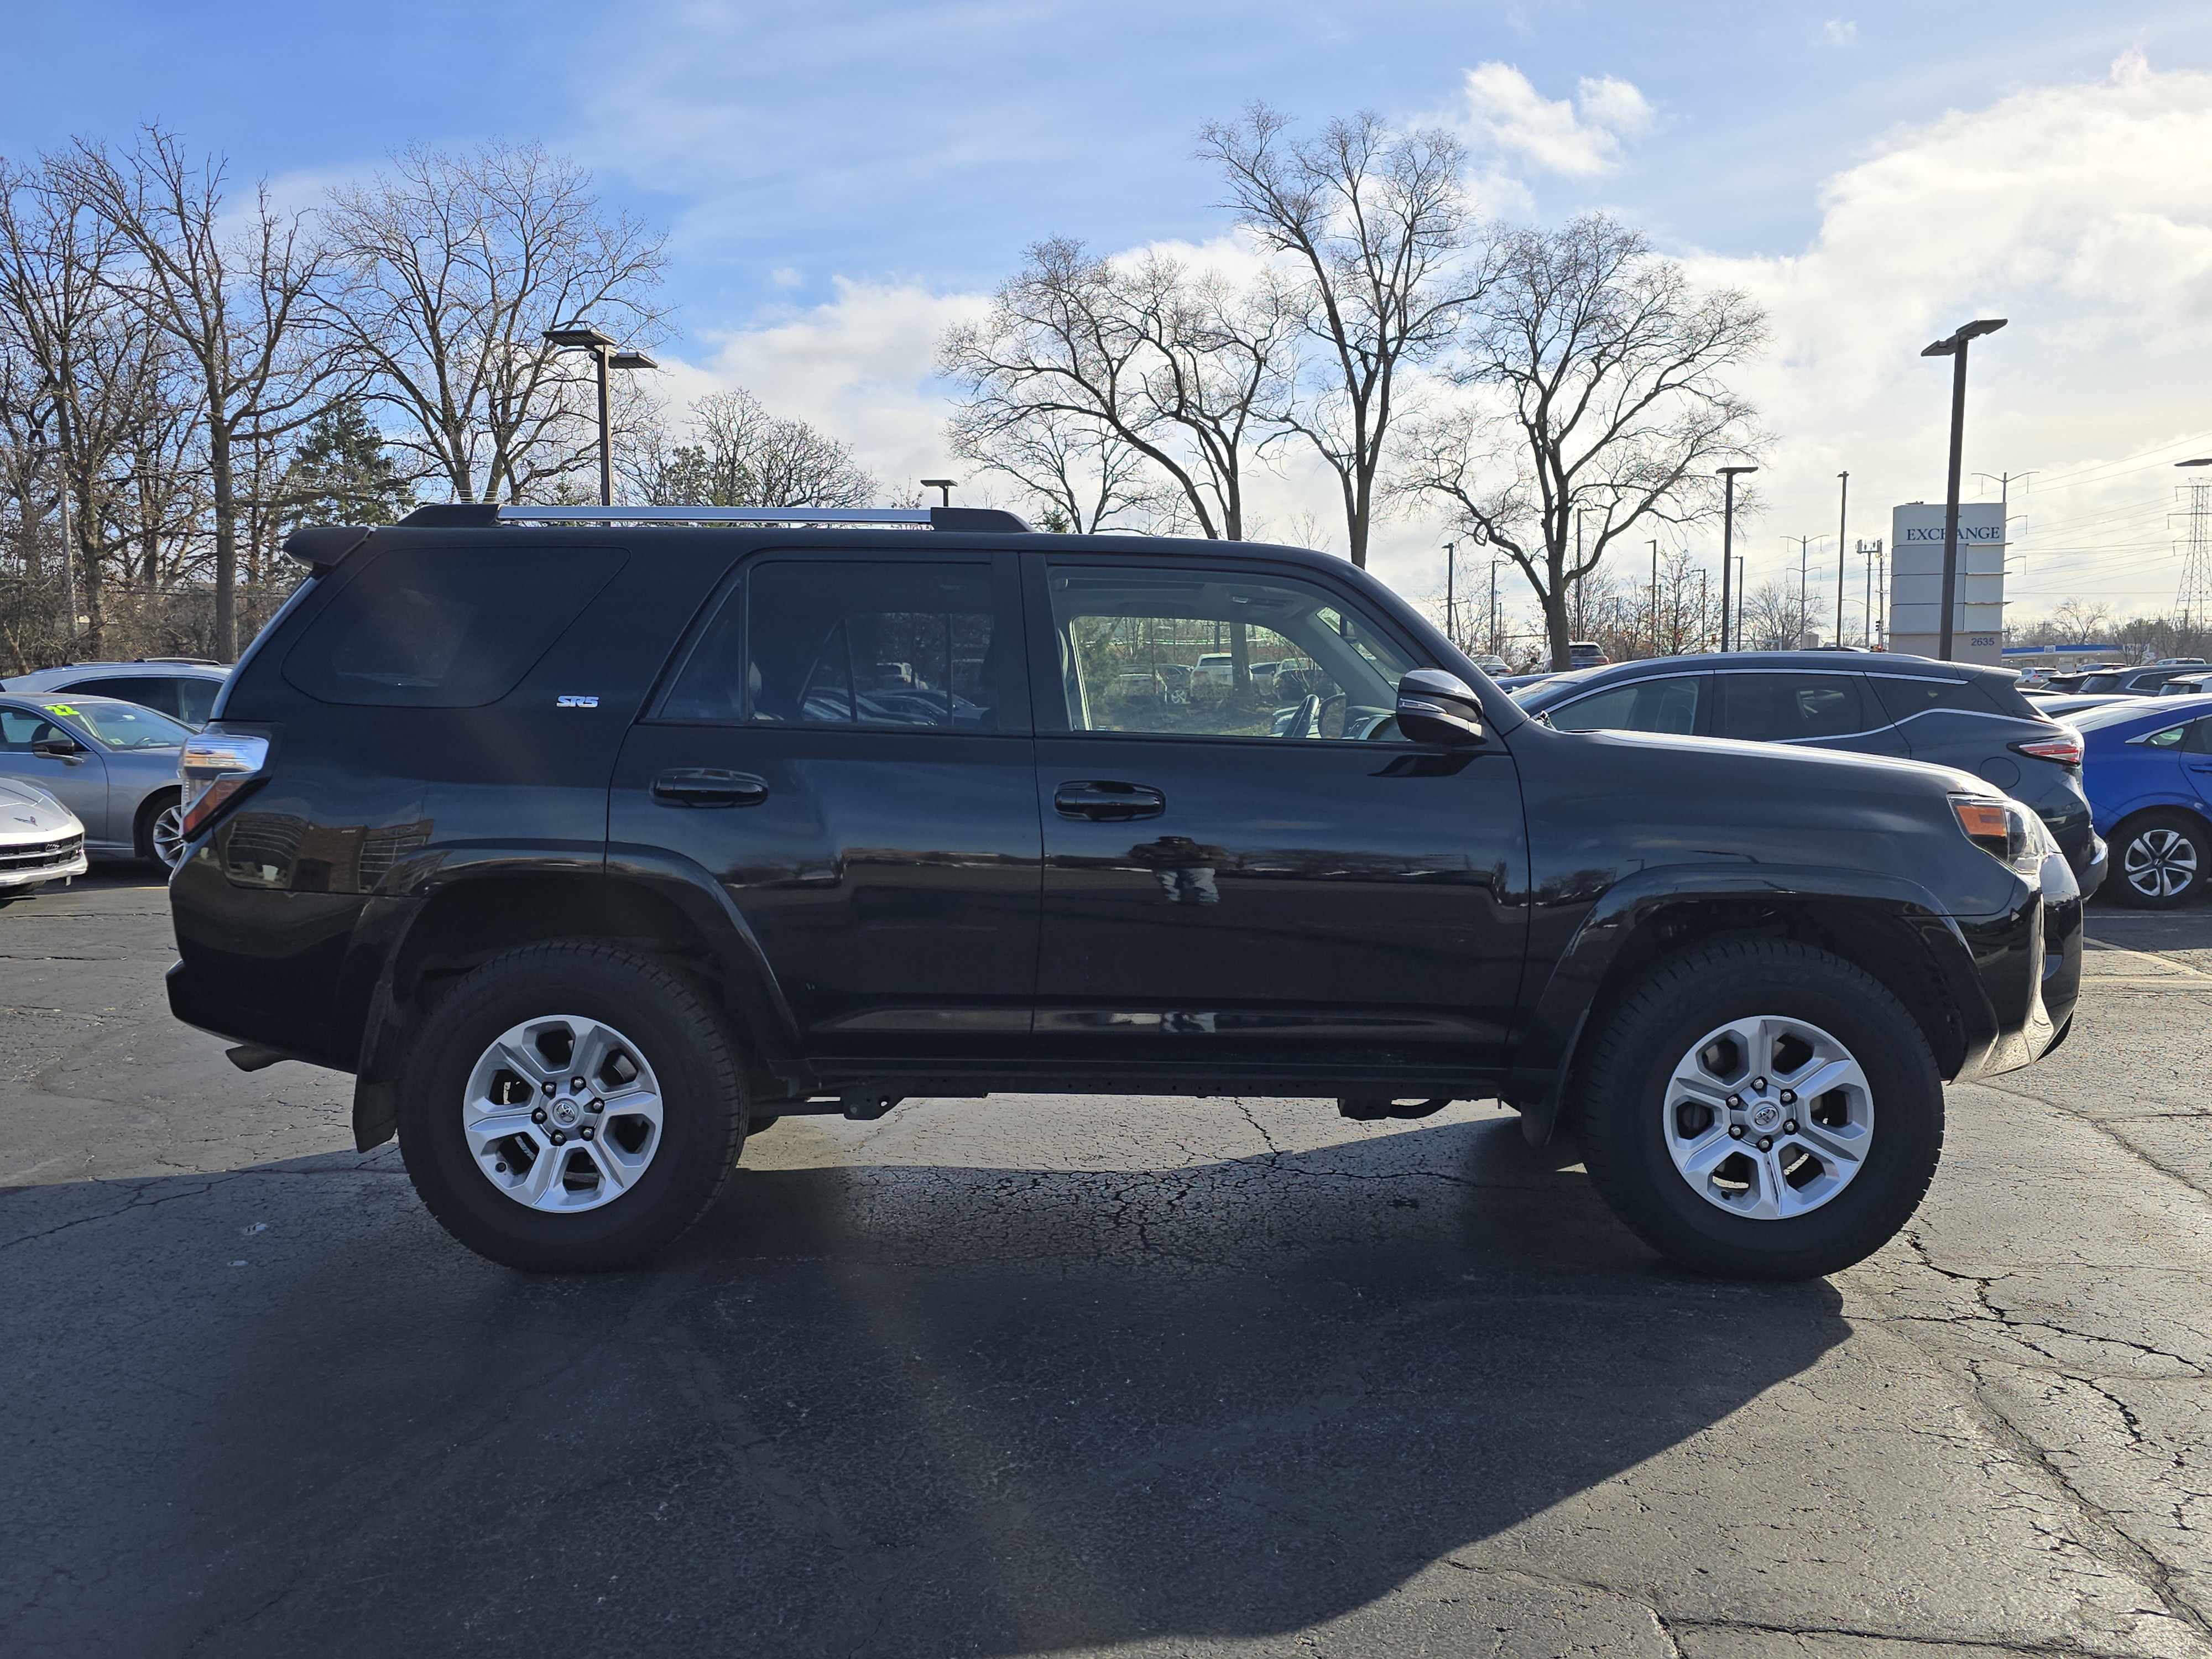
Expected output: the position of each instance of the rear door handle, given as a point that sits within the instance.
(1107, 801)
(706, 786)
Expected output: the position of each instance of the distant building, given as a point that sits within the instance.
(1915, 581)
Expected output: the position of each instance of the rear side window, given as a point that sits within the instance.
(1904, 698)
(850, 642)
(1792, 708)
(446, 627)
(195, 701)
(1658, 705)
(147, 691)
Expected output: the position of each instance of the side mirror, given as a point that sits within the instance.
(1434, 706)
(57, 748)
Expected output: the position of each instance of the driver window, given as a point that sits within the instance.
(1198, 652)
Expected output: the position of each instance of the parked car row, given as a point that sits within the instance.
(91, 749)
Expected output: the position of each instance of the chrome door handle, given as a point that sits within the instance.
(706, 786)
(1108, 801)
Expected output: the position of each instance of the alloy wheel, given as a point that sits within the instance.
(563, 1114)
(2160, 863)
(168, 836)
(1768, 1117)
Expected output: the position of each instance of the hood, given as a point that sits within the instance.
(29, 814)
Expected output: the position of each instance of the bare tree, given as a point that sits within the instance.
(740, 455)
(232, 289)
(452, 267)
(1171, 365)
(1078, 477)
(1599, 393)
(1376, 224)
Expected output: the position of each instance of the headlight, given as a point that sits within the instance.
(2005, 829)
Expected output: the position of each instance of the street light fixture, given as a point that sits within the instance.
(1727, 543)
(1955, 348)
(580, 335)
(945, 486)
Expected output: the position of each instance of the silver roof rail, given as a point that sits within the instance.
(917, 516)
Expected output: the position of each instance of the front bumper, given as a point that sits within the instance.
(2015, 1003)
(25, 862)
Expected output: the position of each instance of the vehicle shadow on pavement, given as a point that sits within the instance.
(906, 1407)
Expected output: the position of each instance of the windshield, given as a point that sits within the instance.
(120, 725)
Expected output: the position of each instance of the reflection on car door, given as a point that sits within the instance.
(846, 749)
(1231, 880)
(79, 781)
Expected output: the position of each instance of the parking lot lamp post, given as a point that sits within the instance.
(1728, 545)
(1843, 513)
(944, 487)
(582, 337)
(1955, 348)
(1451, 629)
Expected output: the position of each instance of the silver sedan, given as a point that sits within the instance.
(113, 763)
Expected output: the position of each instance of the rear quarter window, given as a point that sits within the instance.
(445, 627)
(1903, 698)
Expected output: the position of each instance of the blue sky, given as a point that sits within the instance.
(811, 162)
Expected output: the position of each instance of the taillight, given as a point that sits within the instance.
(2065, 748)
(214, 767)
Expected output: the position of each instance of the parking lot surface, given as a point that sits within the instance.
(1058, 1375)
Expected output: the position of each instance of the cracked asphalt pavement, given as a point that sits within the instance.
(1037, 1375)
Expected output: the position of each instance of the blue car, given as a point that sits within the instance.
(2148, 771)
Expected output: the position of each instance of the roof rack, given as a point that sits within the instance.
(459, 514)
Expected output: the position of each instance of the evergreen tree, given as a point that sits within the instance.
(342, 473)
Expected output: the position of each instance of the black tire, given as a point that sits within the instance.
(687, 1047)
(2152, 847)
(759, 1123)
(1623, 1085)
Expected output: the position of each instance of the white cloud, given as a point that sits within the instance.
(1580, 137)
(2081, 212)
(1838, 31)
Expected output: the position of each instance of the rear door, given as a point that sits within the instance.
(846, 749)
(1815, 711)
(1262, 876)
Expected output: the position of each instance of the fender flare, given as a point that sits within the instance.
(1560, 1018)
(387, 925)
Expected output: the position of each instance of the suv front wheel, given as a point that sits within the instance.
(570, 1107)
(1761, 1109)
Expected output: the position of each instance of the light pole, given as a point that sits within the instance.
(1843, 513)
(1654, 596)
(1955, 348)
(580, 335)
(1728, 545)
(944, 487)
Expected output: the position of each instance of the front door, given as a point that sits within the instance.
(79, 781)
(846, 748)
(1244, 863)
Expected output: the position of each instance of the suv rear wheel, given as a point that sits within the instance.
(1761, 1110)
(570, 1107)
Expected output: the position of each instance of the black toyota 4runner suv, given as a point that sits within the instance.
(588, 846)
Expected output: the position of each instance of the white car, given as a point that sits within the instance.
(40, 840)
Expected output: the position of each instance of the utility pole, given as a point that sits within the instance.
(1451, 622)
(1843, 513)
(1494, 651)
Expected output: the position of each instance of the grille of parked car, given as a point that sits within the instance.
(41, 855)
